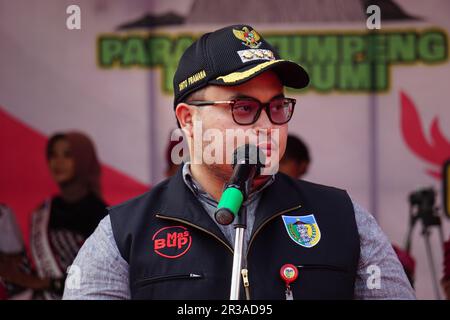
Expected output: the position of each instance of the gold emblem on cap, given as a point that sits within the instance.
(250, 38)
(241, 75)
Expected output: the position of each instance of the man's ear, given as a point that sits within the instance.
(185, 116)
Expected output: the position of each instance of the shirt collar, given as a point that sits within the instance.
(197, 189)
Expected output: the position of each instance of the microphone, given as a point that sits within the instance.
(248, 160)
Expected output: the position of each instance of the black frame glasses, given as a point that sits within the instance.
(247, 111)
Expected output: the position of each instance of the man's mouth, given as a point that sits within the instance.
(266, 148)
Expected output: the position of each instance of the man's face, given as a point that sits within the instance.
(263, 88)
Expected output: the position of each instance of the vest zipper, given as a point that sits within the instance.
(151, 280)
(197, 227)
(247, 281)
(266, 222)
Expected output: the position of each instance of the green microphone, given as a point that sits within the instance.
(248, 160)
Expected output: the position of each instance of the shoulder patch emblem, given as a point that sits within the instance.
(303, 230)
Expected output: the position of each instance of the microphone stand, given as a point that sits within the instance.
(240, 226)
(248, 160)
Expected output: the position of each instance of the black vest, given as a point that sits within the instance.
(176, 251)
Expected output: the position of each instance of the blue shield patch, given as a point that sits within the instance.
(303, 230)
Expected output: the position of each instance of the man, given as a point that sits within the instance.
(166, 244)
(296, 159)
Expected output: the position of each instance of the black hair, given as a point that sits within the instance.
(51, 142)
(196, 95)
(296, 150)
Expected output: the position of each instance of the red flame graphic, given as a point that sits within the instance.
(435, 152)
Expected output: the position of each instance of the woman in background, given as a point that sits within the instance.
(62, 223)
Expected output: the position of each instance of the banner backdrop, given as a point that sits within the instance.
(375, 117)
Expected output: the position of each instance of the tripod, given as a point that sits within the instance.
(422, 207)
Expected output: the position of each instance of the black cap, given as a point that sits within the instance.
(231, 56)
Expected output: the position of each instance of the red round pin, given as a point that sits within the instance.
(288, 273)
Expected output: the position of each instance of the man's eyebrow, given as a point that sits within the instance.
(244, 96)
(280, 95)
(241, 96)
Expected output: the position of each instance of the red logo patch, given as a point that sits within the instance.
(172, 242)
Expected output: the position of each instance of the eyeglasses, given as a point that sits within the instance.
(247, 111)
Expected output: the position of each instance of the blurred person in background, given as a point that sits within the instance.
(63, 222)
(296, 159)
(12, 255)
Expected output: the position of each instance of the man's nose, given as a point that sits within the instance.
(263, 121)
